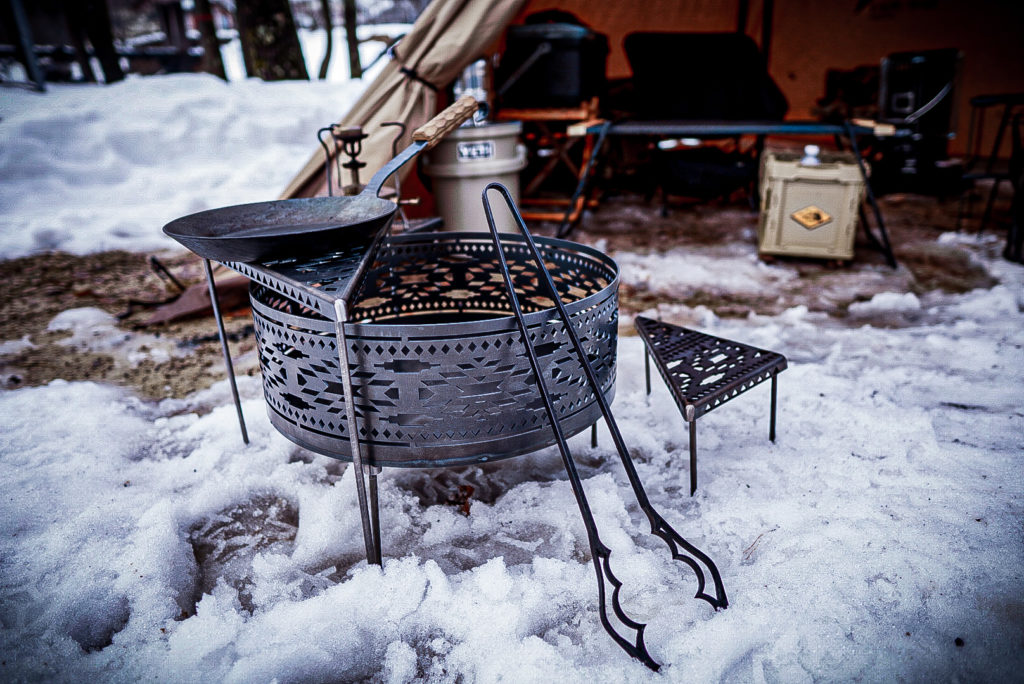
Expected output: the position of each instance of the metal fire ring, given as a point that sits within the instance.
(439, 371)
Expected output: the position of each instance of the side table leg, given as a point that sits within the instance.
(771, 425)
(647, 368)
(593, 436)
(693, 456)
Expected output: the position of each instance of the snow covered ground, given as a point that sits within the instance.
(880, 538)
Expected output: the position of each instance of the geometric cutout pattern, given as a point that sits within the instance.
(439, 371)
(702, 371)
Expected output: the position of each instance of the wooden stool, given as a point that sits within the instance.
(703, 372)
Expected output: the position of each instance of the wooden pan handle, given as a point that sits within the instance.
(445, 122)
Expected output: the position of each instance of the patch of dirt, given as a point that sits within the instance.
(944, 267)
(225, 544)
(38, 288)
(634, 300)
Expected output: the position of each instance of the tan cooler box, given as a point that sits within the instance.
(809, 209)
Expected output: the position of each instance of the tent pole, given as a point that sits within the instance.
(742, 12)
(767, 15)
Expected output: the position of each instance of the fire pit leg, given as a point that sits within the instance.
(224, 348)
(681, 549)
(369, 538)
(375, 512)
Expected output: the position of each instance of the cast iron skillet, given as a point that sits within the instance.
(314, 225)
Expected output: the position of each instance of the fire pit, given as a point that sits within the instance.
(439, 372)
(442, 349)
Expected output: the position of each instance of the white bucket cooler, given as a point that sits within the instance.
(465, 162)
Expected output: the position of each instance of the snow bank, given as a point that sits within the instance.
(882, 526)
(88, 168)
(680, 270)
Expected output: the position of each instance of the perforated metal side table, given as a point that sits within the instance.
(703, 372)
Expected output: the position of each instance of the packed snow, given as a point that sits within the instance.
(879, 538)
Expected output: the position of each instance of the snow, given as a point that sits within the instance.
(87, 169)
(143, 540)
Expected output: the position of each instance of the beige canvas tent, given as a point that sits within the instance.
(447, 36)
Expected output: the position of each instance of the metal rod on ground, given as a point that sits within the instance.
(341, 317)
(224, 348)
(660, 528)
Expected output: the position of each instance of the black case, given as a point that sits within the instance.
(571, 71)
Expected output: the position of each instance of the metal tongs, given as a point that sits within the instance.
(681, 549)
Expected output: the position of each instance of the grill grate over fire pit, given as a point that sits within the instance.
(439, 372)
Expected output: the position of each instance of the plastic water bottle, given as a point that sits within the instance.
(811, 153)
(475, 81)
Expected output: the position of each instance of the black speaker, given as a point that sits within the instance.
(917, 89)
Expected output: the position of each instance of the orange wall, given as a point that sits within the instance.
(811, 36)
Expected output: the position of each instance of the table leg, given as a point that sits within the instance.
(693, 456)
(883, 241)
(647, 368)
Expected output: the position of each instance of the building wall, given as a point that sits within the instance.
(811, 36)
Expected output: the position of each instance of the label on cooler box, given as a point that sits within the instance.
(811, 217)
(472, 151)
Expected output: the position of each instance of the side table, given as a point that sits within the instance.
(703, 372)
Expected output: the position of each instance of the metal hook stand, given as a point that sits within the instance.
(681, 549)
(350, 142)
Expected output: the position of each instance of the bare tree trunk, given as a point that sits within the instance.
(329, 27)
(270, 44)
(354, 66)
(213, 62)
(92, 17)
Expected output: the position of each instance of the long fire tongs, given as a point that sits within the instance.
(681, 549)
